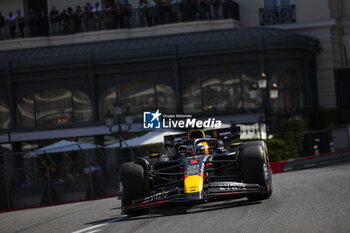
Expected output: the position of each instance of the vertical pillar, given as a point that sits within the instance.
(266, 97)
(11, 98)
(306, 89)
(93, 92)
(177, 82)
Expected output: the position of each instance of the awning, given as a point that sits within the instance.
(152, 137)
(61, 147)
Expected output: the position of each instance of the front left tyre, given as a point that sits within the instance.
(134, 181)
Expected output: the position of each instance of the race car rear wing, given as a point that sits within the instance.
(222, 134)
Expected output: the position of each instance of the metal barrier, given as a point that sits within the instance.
(311, 161)
(45, 180)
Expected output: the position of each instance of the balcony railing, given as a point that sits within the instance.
(134, 18)
(277, 15)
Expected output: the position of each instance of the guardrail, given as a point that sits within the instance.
(340, 156)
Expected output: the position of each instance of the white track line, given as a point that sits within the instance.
(93, 231)
(99, 225)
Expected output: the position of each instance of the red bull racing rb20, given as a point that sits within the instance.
(200, 168)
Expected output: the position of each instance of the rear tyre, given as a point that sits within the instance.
(134, 183)
(255, 167)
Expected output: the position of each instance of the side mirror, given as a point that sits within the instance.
(234, 146)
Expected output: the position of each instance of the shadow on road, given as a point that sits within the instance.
(172, 210)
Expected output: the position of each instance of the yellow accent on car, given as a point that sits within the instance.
(194, 134)
(215, 133)
(193, 184)
(206, 146)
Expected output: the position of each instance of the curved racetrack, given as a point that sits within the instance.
(314, 200)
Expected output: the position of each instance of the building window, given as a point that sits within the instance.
(252, 97)
(290, 92)
(107, 99)
(285, 3)
(221, 92)
(271, 4)
(192, 97)
(138, 96)
(4, 116)
(82, 107)
(25, 112)
(165, 98)
(272, 13)
(54, 107)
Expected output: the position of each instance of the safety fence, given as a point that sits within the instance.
(46, 179)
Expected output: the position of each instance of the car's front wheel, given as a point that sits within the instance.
(133, 179)
(255, 167)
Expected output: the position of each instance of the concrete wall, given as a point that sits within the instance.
(249, 12)
(10, 5)
(346, 9)
(328, 59)
(313, 10)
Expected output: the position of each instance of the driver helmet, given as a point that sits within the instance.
(202, 148)
(220, 145)
(189, 151)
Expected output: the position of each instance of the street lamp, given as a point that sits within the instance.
(253, 91)
(117, 114)
(274, 91)
(262, 81)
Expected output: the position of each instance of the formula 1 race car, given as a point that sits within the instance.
(199, 168)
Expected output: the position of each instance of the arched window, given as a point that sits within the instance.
(107, 99)
(4, 116)
(165, 98)
(220, 92)
(25, 112)
(138, 96)
(192, 97)
(252, 96)
(54, 107)
(81, 106)
(290, 92)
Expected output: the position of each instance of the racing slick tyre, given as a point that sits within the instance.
(134, 187)
(256, 168)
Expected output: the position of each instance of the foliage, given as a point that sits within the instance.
(324, 119)
(276, 149)
(292, 132)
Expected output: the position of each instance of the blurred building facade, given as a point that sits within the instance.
(55, 87)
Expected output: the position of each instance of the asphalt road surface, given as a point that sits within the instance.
(314, 200)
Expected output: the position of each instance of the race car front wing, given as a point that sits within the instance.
(210, 191)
